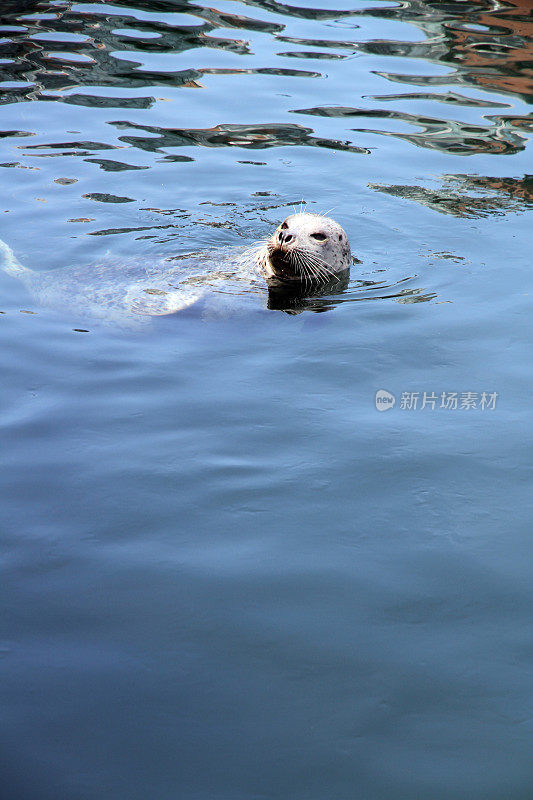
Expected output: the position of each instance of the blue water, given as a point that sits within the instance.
(226, 574)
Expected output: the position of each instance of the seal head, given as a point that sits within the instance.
(307, 248)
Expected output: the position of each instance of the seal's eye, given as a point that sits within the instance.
(320, 237)
(284, 226)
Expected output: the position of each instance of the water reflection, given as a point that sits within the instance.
(487, 195)
(65, 47)
(490, 47)
(300, 12)
(96, 42)
(441, 134)
(489, 44)
(449, 98)
(254, 137)
(293, 301)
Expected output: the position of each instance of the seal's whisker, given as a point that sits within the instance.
(300, 266)
(313, 269)
(316, 269)
(307, 273)
(310, 266)
(304, 270)
(320, 266)
(323, 265)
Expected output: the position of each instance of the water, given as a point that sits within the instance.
(225, 573)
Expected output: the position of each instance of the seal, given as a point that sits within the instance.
(305, 255)
(306, 248)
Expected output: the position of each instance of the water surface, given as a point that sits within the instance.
(225, 573)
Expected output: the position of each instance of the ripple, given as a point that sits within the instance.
(495, 57)
(281, 71)
(299, 12)
(85, 145)
(100, 101)
(488, 196)
(339, 44)
(253, 137)
(109, 165)
(450, 98)
(356, 291)
(310, 54)
(446, 135)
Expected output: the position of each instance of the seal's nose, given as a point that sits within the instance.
(284, 237)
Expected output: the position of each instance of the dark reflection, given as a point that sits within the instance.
(254, 137)
(22, 6)
(469, 196)
(10, 134)
(337, 44)
(450, 98)
(284, 297)
(295, 299)
(79, 149)
(104, 197)
(109, 165)
(289, 73)
(440, 134)
(311, 54)
(97, 101)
